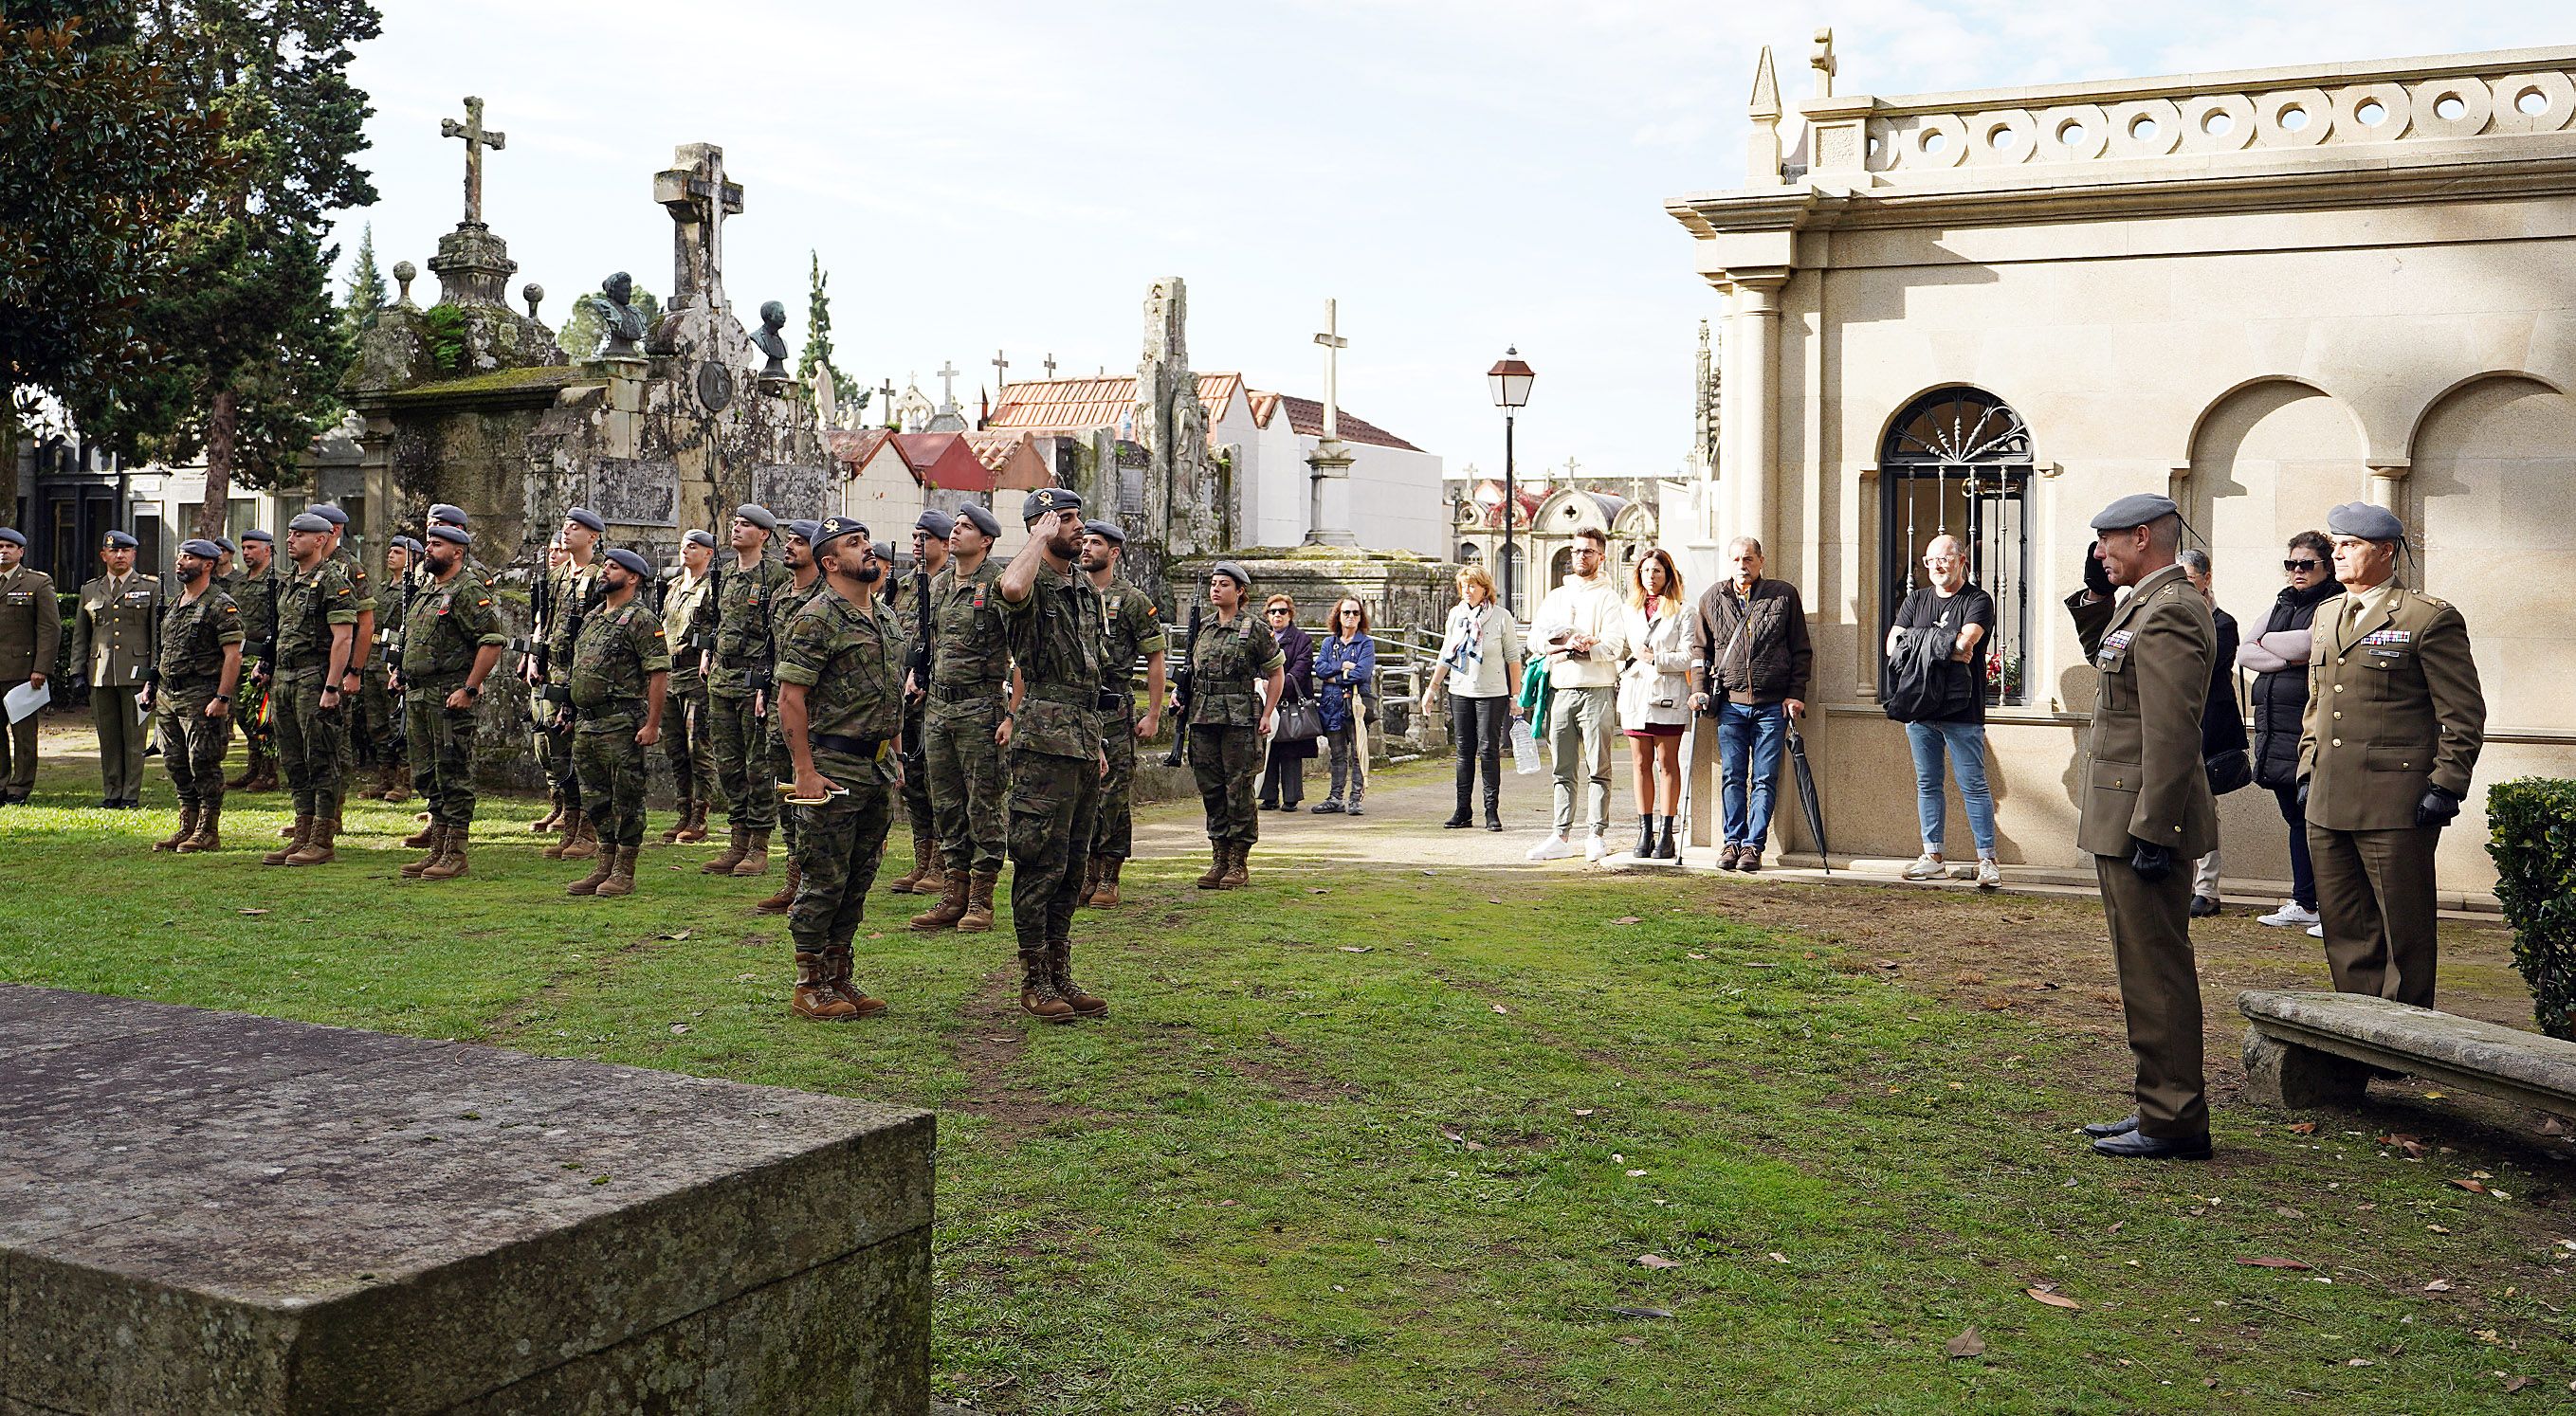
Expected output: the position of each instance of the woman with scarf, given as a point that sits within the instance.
(1283, 784)
(2279, 658)
(1346, 674)
(1480, 662)
(1654, 698)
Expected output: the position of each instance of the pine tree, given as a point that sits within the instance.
(818, 342)
(366, 284)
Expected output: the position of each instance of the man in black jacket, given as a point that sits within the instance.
(1749, 670)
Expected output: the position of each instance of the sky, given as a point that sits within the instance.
(992, 176)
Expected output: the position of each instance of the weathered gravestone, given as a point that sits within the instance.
(211, 1213)
(792, 492)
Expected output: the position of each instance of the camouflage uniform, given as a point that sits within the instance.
(1227, 666)
(1135, 630)
(970, 669)
(851, 665)
(193, 636)
(689, 615)
(572, 593)
(308, 736)
(609, 672)
(1058, 637)
(444, 628)
(257, 597)
(744, 654)
(901, 608)
(379, 709)
(776, 765)
(353, 721)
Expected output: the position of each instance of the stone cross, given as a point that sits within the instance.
(1050, 366)
(477, 137)
(1822, 61)
(1002, 367)
(1571, 466)
(699, 198)
(1333, 344)
(947, 384)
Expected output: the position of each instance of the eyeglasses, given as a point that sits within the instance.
(1276, 610)
(2302, 565)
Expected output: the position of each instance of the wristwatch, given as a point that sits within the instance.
(472, 690)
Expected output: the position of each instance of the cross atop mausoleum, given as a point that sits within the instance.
(1333, 344)
(477, 138)
(947, 384)
(1002, 364)
(699, 198)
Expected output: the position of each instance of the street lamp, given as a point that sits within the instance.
(1510, 380)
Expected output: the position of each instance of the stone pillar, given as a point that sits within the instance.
(1328, 516)
(1756, 384)
(2384, 489)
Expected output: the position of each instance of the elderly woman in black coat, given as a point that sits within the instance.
(1283, 779)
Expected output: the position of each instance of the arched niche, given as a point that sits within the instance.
(2490, 510)
(2267, 461)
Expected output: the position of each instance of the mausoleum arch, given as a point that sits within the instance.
(2200, 424)
(2434, 405)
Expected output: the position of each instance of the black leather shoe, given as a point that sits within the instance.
(1459, 822)
(1325, 808)
(2202, 907)
(2121, 1127)
(2137, 1145)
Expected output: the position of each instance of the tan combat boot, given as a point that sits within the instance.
(451, 863)
(567, 826)
(621, 879)
(1090, 881)
(1038, 997)
(249, 774)
(925, 868)
(1238, 867)
(396, 785)
(1105, 894)
(694, 829)
(1059, 958)
(671, 833)
(814, 996)
(187, 828)
(786, 896)
(731, 855)
(552, 818)
(951, 906)
(585, 838)
(604, 866)
(836, 973)
(979, 903)
(424, 838)
(1213, 878)
(436, 842)
(755, 855)
(209, 835)
(316, 849)
(297, 835)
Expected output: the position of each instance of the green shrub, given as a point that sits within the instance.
(2534, 844)
(442, 326)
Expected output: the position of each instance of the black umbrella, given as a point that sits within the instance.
(1807, 796)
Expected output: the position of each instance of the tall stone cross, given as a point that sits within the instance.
(885, 400)
(1333, 344)
(1050, 366)
(1002, 368)
(947, 384)
(477, 138)
(699, 198)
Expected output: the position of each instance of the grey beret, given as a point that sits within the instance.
(2137, 509)
(1233, 572)
(695, 537)
(628, 561)
(1047, 501)
(308, 521)
(457, 534)
(885, 551)
(585, 517)
(757, 515)
(406, 543)
(259, 533)
(2370, 523)
(822, 533)
(225, 544)
(1105, 530)
(446, 515)
(806, 531)
(200, 547)
(981, 519)
(120, 541)
(329, 513)
(13, 536)
(938, 523)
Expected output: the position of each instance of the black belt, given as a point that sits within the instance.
(847, 746)
(963, 692)
(190, 685)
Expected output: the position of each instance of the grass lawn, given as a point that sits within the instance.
(1382, 1139)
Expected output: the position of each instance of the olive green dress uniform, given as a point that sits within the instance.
(1227, 667)
(776, 765)
(689, 617)
(572, 593)
(1135, 630)
(2143, 781)
(114, 641)
(2394, 708)
(257, 597)
(612, 666)
(970, 669)
(1058, 638)
(308, 736)
(31, 634)
(850, 663)
(444, 628)
(193, 636)
(745, 656)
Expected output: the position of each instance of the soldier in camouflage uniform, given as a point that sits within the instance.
(573, 591)
(805, 582)
(451, 641)
(1236, 671)
(740, 681)
(113, 635)
(970, 669)
(31, 633)
(620, 671)
(362, 650)
(192, 696)
(1135, 630)
(840, 674)
(904, 598)
(317, 619)
(475, 572)
(380, 706)
(1058, 630)
(689, 622)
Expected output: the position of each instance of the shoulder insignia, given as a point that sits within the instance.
(232, 609)
(1150, 612)
(482, 602)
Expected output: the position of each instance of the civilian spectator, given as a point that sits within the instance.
(1750, 669)
(1934, 686)
(2222, 725)
(1283, 780)
(1654, 698)
(1346, 675)
(2279, 658)
(1581, 629)
(1480, 662)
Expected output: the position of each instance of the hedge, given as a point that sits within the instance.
(2533, 820)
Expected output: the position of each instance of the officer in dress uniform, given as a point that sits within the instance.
(1135, 631)
(1236, 672)
(31, 633)
(115, 638)
(451, 642)
(2147, 809)
(689, 621)
(619, 672)
(2394, 724)
(905, 598)
(963, 735)
(192, 696)
(256, 593)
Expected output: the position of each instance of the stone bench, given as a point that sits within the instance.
(2322, 1049)
(214, 1213)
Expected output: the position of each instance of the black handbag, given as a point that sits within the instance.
(2229, 771)
(1300, 720)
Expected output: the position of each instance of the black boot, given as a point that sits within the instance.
(1664, 848)
(1493, 806)
(1645, 838)
(1459, 820)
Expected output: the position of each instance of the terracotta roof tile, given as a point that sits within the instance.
(1306, 415)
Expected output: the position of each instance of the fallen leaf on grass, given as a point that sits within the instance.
(1355, 948)
(1451, 1133)
(1779, 1258)
(2303, 1128)
(1641, 1312)
(2054, 1300)
(2472, 1186)
(1499, 1008)
(683, 934)
(2274, 1263)
(1633, 1174)
(1319, 891)
(251, 912)
(2439, 1285)
(1475, 1145)
(2514, 1384)
(1626, 919)
(1493, 899)
(1689, 954)
(1966, 1344)
(1657, 1261)
(2285, 1212)
(2439, 1228)
(1583, 1111)
(678, 1028)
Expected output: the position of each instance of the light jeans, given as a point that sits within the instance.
(1965, 745)
(1750, 739)
(2204, 877)
(1579, 721)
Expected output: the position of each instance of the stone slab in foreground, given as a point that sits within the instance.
(2321, 1049)
(212, 1212)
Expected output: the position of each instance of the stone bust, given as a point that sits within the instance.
(621, 325)
(773, 318)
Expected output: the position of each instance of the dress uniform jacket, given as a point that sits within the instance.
(2144, 779)
(2393, 708)
(117, 634)
(31, 625)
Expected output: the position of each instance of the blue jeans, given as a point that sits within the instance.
(1750, 738)
(1965, 744)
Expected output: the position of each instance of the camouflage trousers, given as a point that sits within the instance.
(837, 846)
(192, 746)
(687, 745)
(1114, 832)
(610, 764)
(378, 709)
(916, 779)
(779, 767)
(965, 770)
(1225, 760)
(739, 738)
(1052, 803)
(554, 747)
(310, 741)
(442, 753)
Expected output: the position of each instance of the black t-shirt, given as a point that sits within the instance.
(1926, 609)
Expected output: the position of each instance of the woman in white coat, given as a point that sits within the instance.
(1654, 698)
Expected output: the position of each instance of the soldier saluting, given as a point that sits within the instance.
(2394, 723)
(2146, 807)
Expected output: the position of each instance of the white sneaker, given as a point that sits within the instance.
(1594, 848)
(2316, 931)
(1926, 866)
(1555, 847)
(1989, 876)
(2288, 914)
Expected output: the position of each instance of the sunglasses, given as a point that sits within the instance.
(1275, 610)
(2302, 565)
(1350, 614)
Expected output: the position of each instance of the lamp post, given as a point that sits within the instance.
(1510, 380)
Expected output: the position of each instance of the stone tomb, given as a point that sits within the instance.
(211, 1212)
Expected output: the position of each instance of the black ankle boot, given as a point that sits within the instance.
(1664, 848)
(1645, 838)
(1493, 808)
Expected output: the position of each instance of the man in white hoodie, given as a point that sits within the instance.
(1581, 628)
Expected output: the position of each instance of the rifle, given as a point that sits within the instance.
(1184, 689)
(917, 665)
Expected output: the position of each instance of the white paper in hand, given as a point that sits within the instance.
(25, 699)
